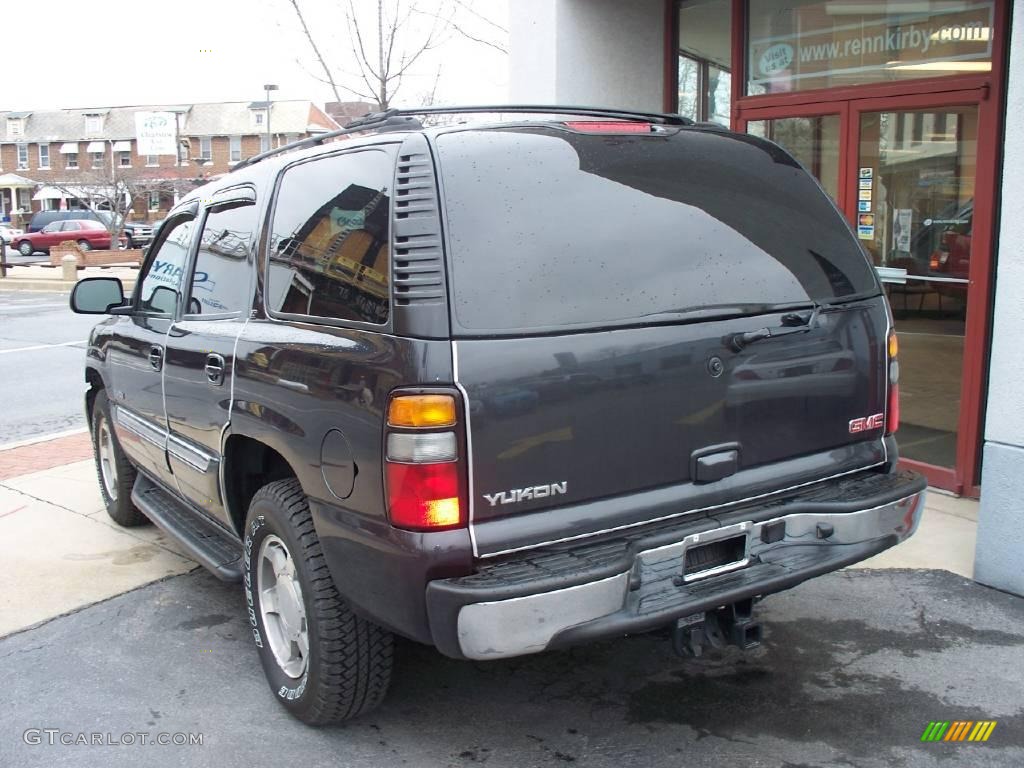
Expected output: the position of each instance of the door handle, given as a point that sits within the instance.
(156, 357)
(215, 369)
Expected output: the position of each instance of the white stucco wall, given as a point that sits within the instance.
(591, 52)
(998, 559)
(532, 51)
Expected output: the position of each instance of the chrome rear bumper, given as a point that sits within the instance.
(777, 553)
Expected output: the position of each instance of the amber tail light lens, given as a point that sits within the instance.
(420, 411)
(423, 471)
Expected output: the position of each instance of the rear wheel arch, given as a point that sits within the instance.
(249, 464)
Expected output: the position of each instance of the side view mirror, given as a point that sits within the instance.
(97, 296)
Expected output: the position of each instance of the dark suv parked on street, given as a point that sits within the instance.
(501, 387)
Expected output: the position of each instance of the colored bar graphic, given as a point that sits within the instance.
(935, 730)
(958, 730)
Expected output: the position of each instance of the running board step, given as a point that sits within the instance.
(203, 541)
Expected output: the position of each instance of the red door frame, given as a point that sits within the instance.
(840, 108)
(986, 91)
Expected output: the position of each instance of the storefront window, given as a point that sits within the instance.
(705, 60)
(798, 45)
(814, 141)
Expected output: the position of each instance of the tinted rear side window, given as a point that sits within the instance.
(329, 248)
(551, 228)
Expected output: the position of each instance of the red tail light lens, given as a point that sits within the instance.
(892, 416)
(425, 497)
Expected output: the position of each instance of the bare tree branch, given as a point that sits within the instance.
(316, 50)
(469, 9)
(390, 46)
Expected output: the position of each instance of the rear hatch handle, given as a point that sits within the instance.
(792, 322)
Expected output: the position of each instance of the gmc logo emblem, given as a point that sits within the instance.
(866, 423)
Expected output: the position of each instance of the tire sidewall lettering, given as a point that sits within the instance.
(253, 535)
(250, 601)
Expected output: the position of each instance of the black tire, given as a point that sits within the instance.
(25, 248)
(119, 504)
(348, 665)
(85, 245)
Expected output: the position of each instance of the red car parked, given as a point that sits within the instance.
(87, 233)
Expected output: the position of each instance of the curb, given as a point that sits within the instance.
(42, 438)
(50, 286)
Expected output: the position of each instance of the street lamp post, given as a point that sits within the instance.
(268, 88)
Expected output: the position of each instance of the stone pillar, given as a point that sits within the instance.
(69, 268)
(595, 52)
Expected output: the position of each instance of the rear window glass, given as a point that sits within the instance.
(551, 228)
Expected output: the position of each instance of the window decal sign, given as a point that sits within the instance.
(874, 46)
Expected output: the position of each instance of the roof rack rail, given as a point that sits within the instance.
(402, 119)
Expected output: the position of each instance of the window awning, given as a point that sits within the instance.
(50, 193)
(95, 146)
(122, 146)
(69, 148)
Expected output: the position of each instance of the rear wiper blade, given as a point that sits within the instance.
(722, 311)
(792, 322)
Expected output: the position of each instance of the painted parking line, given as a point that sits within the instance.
(43, 346)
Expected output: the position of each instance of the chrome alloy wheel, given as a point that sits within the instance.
(108, 462)
(281, 607)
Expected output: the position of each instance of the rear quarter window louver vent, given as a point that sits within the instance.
(418, 267)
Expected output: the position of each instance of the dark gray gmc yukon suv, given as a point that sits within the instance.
(501, 386)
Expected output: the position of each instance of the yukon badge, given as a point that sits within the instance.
(866, 423)
(516, 495)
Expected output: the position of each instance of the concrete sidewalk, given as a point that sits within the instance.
(60, 550)
(66, 553)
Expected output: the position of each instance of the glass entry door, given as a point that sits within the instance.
(905, 173)
(915, 210)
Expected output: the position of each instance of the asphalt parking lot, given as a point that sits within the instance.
(854, 666)
(41, 352)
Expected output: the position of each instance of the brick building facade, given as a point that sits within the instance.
(51, 159)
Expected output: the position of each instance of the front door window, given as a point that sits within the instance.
(161, 284)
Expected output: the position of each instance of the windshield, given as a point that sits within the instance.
(550, 228)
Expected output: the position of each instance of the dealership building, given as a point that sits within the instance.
(911, 115)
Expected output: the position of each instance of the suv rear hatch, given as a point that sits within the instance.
(600, 286)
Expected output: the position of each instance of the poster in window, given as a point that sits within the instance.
(903, 220)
